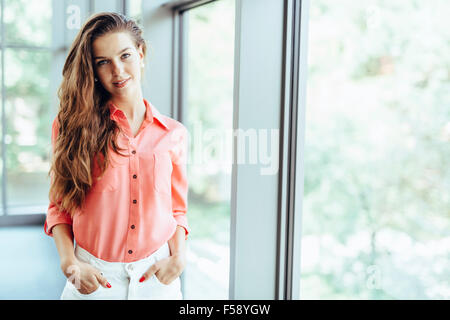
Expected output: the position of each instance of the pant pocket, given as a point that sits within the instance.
(155, 278)
(70, 292)
(163, 252)
(174, 286)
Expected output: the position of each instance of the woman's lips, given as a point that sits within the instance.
(121, 84)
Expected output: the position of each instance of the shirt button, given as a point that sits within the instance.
(133, 152)
(134, 176)
(130, 251)
(134, 201)
(132, 226)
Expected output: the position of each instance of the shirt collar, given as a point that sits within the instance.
(151, 113)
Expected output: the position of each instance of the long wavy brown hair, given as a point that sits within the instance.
(85, 128)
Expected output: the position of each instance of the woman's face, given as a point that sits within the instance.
(118, 64)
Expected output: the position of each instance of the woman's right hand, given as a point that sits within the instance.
(83, 276)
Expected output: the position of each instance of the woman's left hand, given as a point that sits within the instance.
(167, 269)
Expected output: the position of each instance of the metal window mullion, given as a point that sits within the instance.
(184, 5)
(124, 6)
(91, 7)
(176, 57)
(179, 65)
(182, 66)
(293, 146)
(179, 75)
(285, 162)
(234, 169)
(258, 66)
(291, 181)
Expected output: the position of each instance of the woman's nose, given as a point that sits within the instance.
(117, 68)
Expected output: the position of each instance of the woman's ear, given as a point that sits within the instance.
(141, 55)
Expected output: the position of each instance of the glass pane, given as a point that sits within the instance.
(28, 22)
(376, 221)
(209, 118)
(28, 134)
(135, 11)
(1, 146)
(1, 27)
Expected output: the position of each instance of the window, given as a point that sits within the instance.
(376, 211)
(26, 57)
(134, 10)
(209, 117)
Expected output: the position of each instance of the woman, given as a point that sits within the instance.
(118, 173)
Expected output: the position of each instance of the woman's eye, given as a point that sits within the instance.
(124, 56)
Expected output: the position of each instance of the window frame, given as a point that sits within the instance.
(279, 253)
(24, 217)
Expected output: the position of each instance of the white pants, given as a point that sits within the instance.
(124, 279)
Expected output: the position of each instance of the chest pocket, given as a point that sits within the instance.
(162, 172)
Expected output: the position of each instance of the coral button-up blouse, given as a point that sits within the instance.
(141, 199)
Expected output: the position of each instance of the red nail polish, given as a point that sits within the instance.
(108, 285)
(142, 279)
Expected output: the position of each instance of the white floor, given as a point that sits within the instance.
(29, 267)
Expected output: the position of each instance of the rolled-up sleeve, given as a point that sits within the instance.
(179, 179)
(54, 215)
